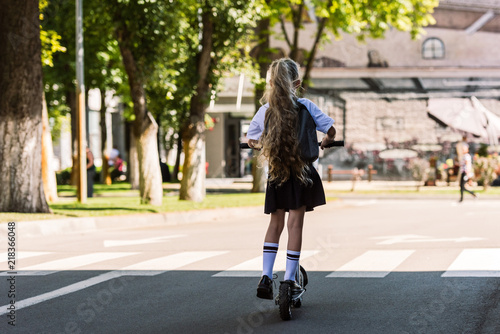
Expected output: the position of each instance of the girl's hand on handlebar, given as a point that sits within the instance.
(326, 141)
(254, 144)
(329, 138)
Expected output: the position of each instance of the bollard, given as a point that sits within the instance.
(370, 170)
(330, 173)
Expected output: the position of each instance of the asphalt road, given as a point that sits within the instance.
(375, 266)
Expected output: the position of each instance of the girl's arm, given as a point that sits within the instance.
(256, 127)
(324, 123)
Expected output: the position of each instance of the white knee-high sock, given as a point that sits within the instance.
(292, 260)
(269, 255)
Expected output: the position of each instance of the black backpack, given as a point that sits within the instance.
(308, 139)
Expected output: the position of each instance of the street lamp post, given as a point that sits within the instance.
(80, 108)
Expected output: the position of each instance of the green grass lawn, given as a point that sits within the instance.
(120, 200)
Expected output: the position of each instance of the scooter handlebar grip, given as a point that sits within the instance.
(337, 143)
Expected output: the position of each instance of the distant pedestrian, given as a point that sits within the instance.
(285, 128)
(466, 172)
(90, 173)
(113, 155)
(460, 147)
(117, 172)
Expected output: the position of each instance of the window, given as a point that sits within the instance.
(433, 48)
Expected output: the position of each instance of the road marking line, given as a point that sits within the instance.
(29, 273)
(412, 238)
(253, 267)
(22, 255)
(156, 266)
(74, 262)
(479, 262)
(62, 291)
(19, 256)
(115, 243)
(172, 262)
(372, 264)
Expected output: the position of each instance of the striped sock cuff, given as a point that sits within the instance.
(270, 247)
(292, 255)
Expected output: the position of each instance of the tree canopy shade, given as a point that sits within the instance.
(21, 188)
(50, 44)
(219, 29)
(145, 31)
(362, 18)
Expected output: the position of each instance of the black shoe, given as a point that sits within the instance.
(296, 289)
(265, 288)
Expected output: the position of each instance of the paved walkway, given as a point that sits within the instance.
(87, 224)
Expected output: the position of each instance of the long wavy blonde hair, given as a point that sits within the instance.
(280, 144)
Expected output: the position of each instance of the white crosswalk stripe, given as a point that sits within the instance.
(372, 264)
(479, 262)
(166, 263)
(70, 263)
(253, 267)
(19, 256)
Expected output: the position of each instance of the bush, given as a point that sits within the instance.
(64, 177)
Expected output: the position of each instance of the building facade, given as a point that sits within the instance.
(378, 91)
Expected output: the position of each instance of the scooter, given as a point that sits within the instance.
(285, 299)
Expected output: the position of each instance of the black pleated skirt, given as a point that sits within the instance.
(292, 194)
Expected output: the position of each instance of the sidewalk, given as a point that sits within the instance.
(92, 224)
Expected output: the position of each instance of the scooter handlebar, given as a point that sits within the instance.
(337, 143)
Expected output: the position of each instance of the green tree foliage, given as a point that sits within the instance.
(222, 27)
(51, 44)
(362, 18)
(50, 39)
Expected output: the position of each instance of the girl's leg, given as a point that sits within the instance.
(462, 186)
(271, 242)
(295, 224)
(276, 226)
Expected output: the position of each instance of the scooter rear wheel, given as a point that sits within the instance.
(302, 279)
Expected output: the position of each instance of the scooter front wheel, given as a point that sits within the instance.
(285, 301)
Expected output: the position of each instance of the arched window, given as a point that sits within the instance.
(433, 48)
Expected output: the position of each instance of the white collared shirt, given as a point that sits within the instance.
(323, 121)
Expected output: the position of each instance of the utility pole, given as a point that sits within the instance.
(80, 108)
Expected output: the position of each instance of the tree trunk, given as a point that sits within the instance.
(71, 98)
(48, 174)
(193, 174)
(105, 175)
(178, 158)
(193, 171)
(297, 23)
(145, 130)
(150, 180)
(263, 57)
(133, 163)
(312, 53)
(21, 98)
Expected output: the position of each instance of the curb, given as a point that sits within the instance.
(92, 224)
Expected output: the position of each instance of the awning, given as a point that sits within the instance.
(492, 122)
(466, 115)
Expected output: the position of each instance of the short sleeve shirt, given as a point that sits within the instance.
(323, 121)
